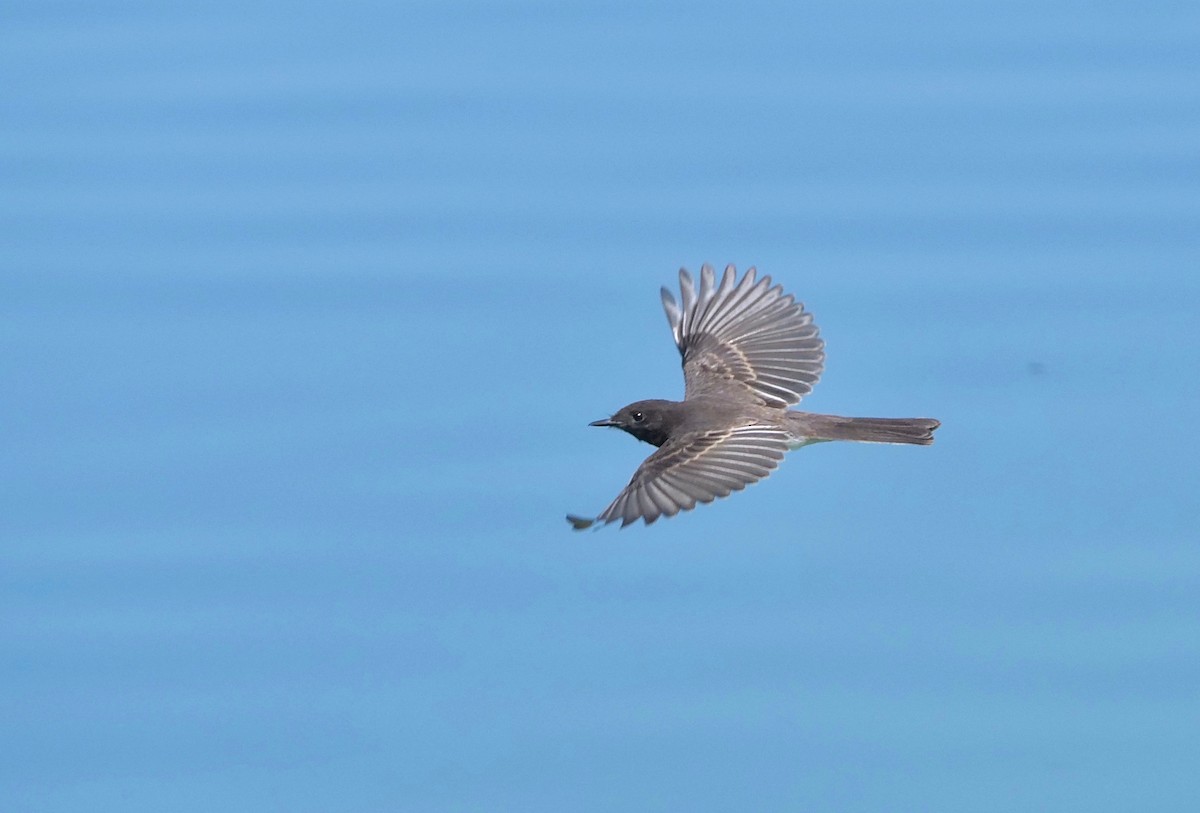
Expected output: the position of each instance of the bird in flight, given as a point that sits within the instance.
(749, 352)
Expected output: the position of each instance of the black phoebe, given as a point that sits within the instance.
(749, 352)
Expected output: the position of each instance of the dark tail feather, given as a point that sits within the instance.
(869, 430)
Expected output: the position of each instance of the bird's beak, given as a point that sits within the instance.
(602, 422)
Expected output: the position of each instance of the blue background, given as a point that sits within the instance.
(304, 309)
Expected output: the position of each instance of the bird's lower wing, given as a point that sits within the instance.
(693, 469)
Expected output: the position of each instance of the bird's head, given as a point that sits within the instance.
(650, 421)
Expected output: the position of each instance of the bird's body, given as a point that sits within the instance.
(749, 352)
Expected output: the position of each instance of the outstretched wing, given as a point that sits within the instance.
(744, 339)
(695, 468)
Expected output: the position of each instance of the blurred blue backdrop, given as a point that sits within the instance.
(304, 308)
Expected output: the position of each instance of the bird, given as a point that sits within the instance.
(749, 351)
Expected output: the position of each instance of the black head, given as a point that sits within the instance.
(650, 421)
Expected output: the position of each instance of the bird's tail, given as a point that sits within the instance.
(868, 430)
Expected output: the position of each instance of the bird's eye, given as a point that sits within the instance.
(637, 417)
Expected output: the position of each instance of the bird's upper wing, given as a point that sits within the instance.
(695, 468)
(744, 339)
